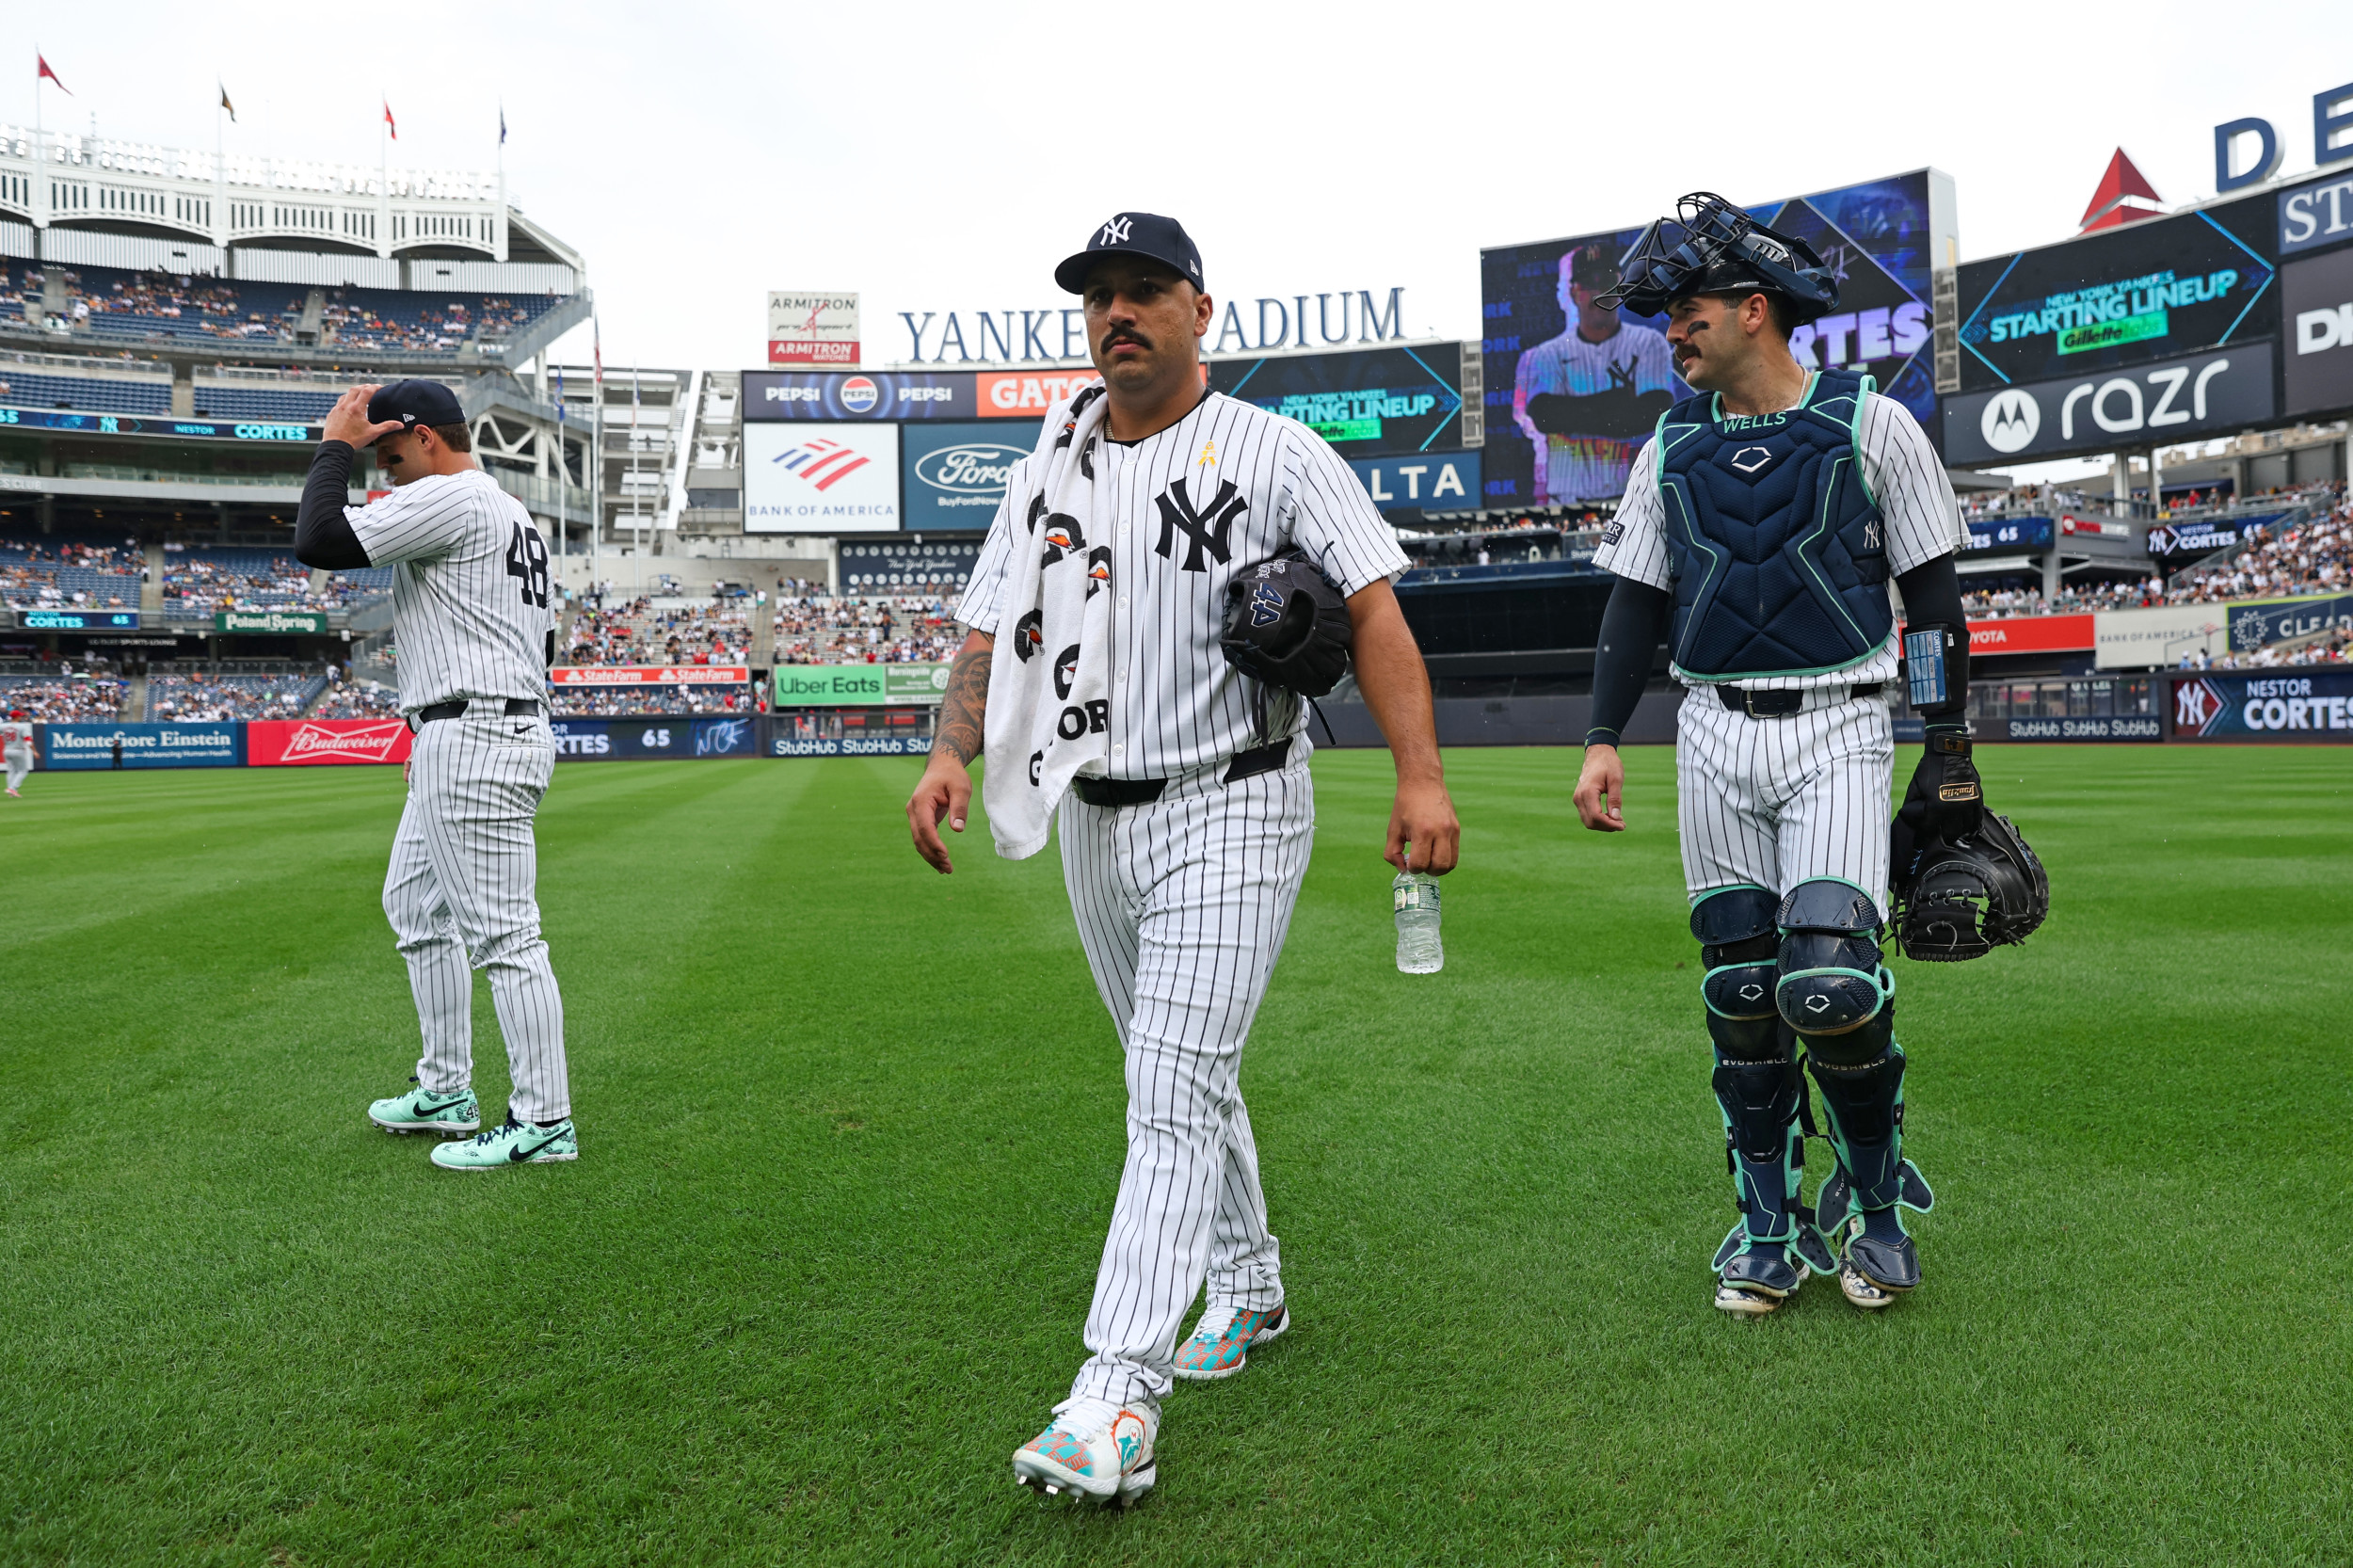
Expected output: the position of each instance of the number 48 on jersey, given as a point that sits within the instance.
(527, 558)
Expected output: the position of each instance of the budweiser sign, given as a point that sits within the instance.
(293, 743)
(650, 675)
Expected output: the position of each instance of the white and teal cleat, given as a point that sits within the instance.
(510, 1142)
(1095, 1450)
(423, 1111)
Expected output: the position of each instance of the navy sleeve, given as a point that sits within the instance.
(1633, 624)
(323, 536)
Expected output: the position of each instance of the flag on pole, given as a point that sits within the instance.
(49, 73)
(502, 125)
(226, 104)
(390, 120)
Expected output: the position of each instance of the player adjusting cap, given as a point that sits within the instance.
(1162, 239)
(415, 403)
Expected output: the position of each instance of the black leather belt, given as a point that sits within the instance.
(517, 707)
(1137, 792)
(1776, 705)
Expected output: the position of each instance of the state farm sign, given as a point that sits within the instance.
(650, 675)
(295, 743)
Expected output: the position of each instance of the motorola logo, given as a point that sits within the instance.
(2011, 421)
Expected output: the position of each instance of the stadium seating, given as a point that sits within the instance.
(53, 572)
(89, 393)
(357, 700)
(634, 633)
(59, 699)
(261, 401)
(813, 630)
(199, 696)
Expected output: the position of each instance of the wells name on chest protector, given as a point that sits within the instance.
(1778, 551)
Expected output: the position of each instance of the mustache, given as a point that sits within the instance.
(1124, 335)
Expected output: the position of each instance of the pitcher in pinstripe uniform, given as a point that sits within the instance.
(1184, 836)
(1758, 532)
(471, 614)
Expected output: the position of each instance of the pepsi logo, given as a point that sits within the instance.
(859, 394)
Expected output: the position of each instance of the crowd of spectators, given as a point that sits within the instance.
(633, 631)
(215, 307)
(624, 702)
(199, 697)
(358, 699)
(2311, 557)
(62, 698)
(34, 575)
(812, 629)
(435, 328)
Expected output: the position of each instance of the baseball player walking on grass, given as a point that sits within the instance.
(16, 749)
(469, 613)
(1181, 792)
(1759, 528)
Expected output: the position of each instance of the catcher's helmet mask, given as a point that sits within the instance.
(1712, 247)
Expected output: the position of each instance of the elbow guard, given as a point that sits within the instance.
(1936, 668)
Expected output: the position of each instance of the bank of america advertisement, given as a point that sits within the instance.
(1573, 390)
(837, 478)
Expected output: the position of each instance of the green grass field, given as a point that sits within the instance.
(850, 1134)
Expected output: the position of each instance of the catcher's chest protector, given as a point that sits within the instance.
(1778, 551)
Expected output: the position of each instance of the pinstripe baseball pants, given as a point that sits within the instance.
(462, 885)
(1182, 906)
(1775, 802)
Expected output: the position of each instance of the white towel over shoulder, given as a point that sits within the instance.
(1049, 704)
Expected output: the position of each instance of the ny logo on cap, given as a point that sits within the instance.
(1115, 231)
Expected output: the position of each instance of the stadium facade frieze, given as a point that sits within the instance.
(1059, 332)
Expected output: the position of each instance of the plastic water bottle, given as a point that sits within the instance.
(1418, 949)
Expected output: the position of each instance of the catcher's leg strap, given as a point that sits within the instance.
(1865, 1102)
(1830, 978)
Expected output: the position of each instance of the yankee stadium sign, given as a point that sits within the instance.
(1022, 337)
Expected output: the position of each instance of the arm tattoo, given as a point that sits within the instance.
(965, 706)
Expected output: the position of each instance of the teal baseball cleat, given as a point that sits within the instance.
(423, 1111)
(1221, 1342)
(1095, 1450)
(510, 1142)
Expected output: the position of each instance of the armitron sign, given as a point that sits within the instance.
(812, 328)
(293, 743)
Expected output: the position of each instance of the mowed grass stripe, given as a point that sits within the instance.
(850, 1135)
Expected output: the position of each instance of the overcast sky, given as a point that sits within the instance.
(943, 157)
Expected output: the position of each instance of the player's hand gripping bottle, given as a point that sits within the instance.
(1416, 895)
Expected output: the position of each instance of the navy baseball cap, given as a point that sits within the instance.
(415, 403)
(1162, 239)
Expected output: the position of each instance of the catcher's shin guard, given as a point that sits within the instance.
(1865, 1102)
(1776, 1241)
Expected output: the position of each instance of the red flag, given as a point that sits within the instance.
(390, 120)
(51, 74)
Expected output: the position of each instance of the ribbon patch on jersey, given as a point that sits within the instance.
(1750, 458)
(1266, 604)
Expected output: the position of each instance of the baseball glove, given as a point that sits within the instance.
(1960, 898)
(1287, 624)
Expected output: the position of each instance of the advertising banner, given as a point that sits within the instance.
(2206, 393)
(2316, 300)
(2006, 533)
(2153, 290)
(799, 480)
(812, 328)
(1366, 402)
(2279, 620)
(727, 737)
(856, 685)
(1572, 391)
(1028, 393)
(2265, 706)
(2158, 638)
(953, 476)
(2174, 542)
(304, 742)
(650, 675)
(2122, 727)
(151, 424)
(772, 395)
(901, 565)
(878, 746)
(73, 747)
(2032, 634)
(2316, 215)
(271, 623)
(1428, 481)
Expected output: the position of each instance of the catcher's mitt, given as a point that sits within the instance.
(1959, 898)
(1287, 624)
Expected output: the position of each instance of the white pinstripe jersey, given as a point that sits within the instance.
(469, 588)
(1185, 511)
(1905, 476)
